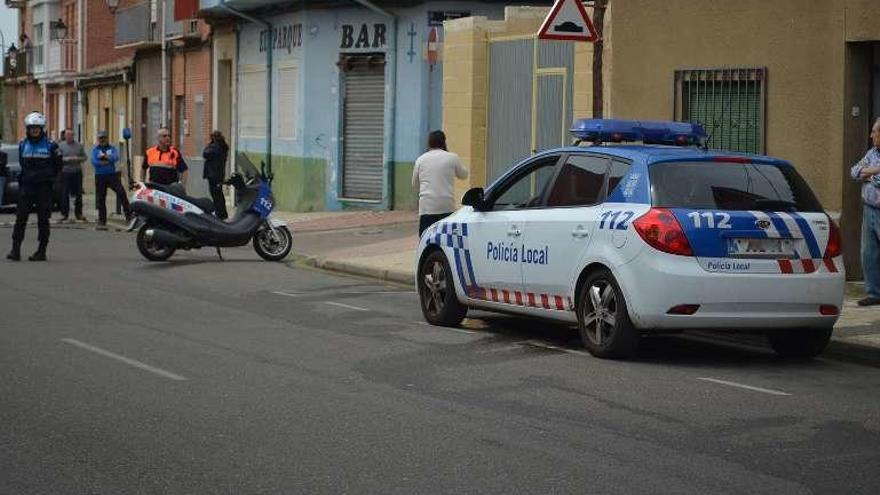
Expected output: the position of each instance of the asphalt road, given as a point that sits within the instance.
(243, 377)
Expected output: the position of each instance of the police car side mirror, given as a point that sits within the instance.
(474, 198)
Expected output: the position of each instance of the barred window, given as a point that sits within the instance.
(729, 103)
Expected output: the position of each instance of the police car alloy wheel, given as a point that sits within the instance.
(440, 305)
(800, 343)
(603, 321)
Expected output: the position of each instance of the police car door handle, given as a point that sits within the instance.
(580, 232)
(514, 232)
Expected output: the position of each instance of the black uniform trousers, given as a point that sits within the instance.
(113, 182)
(216, 188)
(39, 197)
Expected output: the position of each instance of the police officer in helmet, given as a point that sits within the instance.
(40, 162)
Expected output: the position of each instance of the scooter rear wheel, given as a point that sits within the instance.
(150, 250)
(273, 247)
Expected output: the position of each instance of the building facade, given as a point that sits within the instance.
(792, 78)
(354, 91)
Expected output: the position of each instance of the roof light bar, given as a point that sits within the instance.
(648, 132)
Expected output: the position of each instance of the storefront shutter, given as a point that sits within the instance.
(363, 132)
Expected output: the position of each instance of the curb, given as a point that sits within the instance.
(296, 229)
(322, 263)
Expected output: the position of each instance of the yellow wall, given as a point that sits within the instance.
(115, 98)
(800, 43)
(465, 82)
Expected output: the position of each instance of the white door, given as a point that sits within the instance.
(497, 237)
(561, 233)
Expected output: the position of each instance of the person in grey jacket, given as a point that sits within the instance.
(73, 156)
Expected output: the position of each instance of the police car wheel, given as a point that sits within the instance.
(800, 343)
(440, 305)
(603, 320)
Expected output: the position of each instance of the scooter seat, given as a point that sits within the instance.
(176, 189)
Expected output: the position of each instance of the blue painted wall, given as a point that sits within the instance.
(417, 106)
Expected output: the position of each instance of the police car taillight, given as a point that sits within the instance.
(835, 246)
(661, 230)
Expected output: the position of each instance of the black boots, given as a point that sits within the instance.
(15, 254)
(40, 255)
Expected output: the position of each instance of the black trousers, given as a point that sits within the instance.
(114, 182)
(71, 185)
(216, 188)
(426, 221)
(39, 197)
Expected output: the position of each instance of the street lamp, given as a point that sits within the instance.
(112, 5)
(59, 30)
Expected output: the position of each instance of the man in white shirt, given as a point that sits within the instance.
(434, 174)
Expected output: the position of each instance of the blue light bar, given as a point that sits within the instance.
(648, 132)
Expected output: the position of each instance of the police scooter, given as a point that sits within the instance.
(168, 219)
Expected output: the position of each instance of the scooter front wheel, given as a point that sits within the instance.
(273, 245)
(149, 249)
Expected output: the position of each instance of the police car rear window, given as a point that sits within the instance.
(730, 186)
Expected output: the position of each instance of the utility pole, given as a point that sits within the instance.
(164, 57)
(599, 7)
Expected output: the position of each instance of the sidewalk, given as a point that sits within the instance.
(382, 245)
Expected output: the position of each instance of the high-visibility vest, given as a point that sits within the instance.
(164, 159)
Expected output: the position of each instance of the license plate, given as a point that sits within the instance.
(783, 248)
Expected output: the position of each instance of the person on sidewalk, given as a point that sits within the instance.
(434, 175)
(215, 155)
(164, 164)
(868, 172)
(4, 160)
(40, 162)
(104, 159)
(73, 155)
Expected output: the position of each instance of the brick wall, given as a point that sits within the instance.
(191, 80)
(100, 34)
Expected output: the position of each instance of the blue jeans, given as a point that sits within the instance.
(2, 188)
(871, 250)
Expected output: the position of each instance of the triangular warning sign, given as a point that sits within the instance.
(568, 21)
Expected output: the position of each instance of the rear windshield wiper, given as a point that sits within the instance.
(774, 204)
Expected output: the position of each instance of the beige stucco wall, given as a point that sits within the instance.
(800, 42)
(465, 82)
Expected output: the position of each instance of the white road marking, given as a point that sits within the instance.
(128, 361)
(743, 386)
(286, 294)
(346, 306)
(556, 348)
(458, 330)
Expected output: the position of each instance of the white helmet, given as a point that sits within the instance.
(35, 119)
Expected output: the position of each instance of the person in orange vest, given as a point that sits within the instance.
(164, 164)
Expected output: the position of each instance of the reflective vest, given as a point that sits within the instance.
(164, 159)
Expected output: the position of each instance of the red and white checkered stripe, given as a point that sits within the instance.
(808, 266)
(527, 299)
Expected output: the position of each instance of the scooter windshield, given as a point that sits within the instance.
(247, 168)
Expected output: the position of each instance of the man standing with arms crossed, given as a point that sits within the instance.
(867, 171)
(104, 159)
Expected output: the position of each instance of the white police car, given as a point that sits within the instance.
(630, 239)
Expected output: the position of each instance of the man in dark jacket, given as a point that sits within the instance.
(215, 155)
(40, 162)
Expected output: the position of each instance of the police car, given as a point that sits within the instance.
(625, 239)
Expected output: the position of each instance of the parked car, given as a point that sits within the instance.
(631, 239)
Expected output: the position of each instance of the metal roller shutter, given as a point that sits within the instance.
(363, 132)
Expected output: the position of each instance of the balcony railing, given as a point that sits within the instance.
(16, 4)
(62, 56)
(133, 26)
(18, 65)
